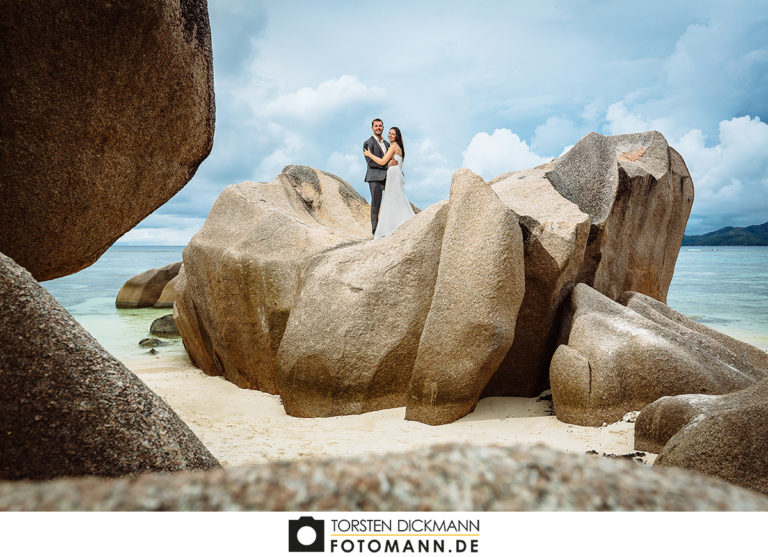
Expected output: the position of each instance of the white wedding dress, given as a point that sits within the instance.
(395, 208)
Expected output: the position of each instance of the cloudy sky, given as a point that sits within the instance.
(492, 86)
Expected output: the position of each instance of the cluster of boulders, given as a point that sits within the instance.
(155, 288)
(555, 275)
(282, 291)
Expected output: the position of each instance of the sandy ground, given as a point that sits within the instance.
(241, 426)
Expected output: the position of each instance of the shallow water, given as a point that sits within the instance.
(90, 297)
(725, 288)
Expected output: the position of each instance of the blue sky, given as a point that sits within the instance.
(491, 86)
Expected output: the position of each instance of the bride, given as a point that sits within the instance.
(395, 207)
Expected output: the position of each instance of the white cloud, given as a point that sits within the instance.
(552, 135)
(716, 70)
(310, 104)
(731, 178)
(289, 146)
(313, 125)
(429, 152)
(272, 164)
(163, 230)
(620, 120)
(349, 166)
(428, 172)
(491, 155)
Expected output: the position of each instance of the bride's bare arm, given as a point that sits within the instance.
(379, 160)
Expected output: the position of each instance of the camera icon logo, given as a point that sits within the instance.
(306, 535)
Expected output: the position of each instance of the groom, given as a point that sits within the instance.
(376, 175)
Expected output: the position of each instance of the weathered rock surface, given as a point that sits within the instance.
(67, 407)
(352, 337)
(555, 236)
(242, 271)
(144, 290)
(638, 194)
(471, 321)
(107, 111)
(447, 478)
(740, 354)
(614, 359)
(168, 295)
(164, 327)
(720, 435)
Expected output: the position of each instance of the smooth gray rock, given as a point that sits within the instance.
(638, 194)
(168, 294)
(145, 289)
(150, 342)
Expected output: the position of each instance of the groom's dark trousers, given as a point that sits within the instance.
(377, 189)
(376, 176)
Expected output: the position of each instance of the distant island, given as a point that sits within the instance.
(755, 235)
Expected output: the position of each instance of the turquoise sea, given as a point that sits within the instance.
(89, 296)
(725, 288)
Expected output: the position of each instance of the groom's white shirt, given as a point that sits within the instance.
(381, 145)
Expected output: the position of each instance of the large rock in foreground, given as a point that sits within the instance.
(107, 111)
(724, 436)
(471, 321)
(67, 407)
(638, 194)
(615, 359)
(352, 338)
(243, 271)
(145, 289)
(447, 478)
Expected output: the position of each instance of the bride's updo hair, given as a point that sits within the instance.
(399, 139)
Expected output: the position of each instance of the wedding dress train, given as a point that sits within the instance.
(395, 208)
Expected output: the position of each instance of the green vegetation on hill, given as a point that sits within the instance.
(755, 235)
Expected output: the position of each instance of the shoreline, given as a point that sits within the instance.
(241, 426)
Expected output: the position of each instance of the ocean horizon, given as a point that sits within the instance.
(722, 287)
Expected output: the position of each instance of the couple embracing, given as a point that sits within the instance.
(389, 206)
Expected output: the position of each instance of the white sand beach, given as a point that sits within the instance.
(241, 426)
